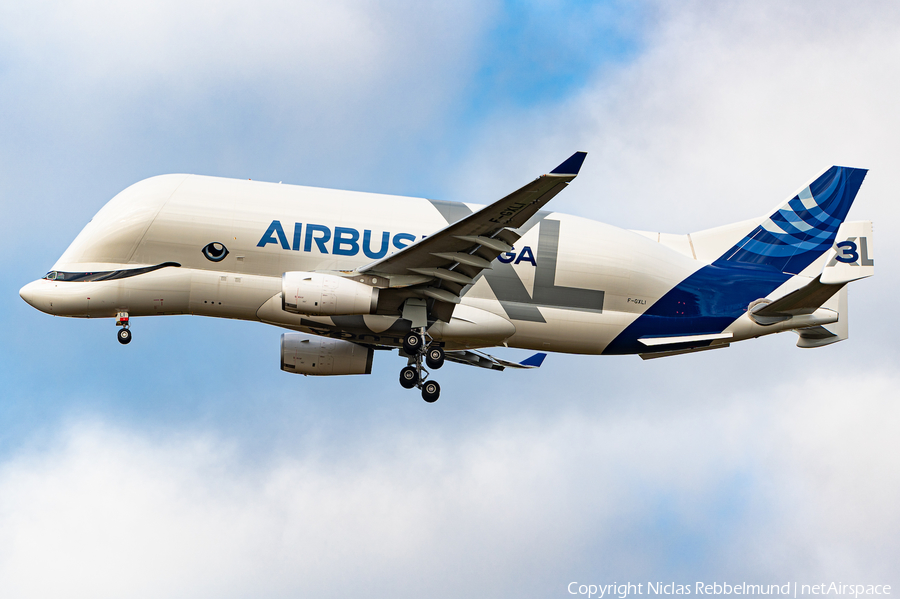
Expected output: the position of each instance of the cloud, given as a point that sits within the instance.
(271, 90)
(228, 479)
(726, 111)
(798, 483)
(325, 49)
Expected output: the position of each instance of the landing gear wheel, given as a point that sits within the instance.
(412, 343)
(431, 391)
(434, 357)
(124, 336)
(409, 377)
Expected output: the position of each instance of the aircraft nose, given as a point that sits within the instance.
(33, 293)
(27, 293)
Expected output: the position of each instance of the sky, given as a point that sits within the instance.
(186, 464)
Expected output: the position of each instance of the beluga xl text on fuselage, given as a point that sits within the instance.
(350, 273)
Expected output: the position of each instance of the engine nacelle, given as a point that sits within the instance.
(326, 295)
(321, 356)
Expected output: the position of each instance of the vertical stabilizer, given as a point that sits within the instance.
(803, 228)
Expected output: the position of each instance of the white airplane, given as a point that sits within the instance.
(352, 272)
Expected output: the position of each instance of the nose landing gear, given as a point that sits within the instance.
(414, 375)
(124, 334)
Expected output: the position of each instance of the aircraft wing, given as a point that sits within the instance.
(480, 230)
(483, 360)
(442, 265)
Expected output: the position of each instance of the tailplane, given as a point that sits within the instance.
(822, 301)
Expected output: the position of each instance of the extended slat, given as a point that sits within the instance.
(467, 259)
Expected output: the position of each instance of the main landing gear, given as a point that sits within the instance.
(124, 334)
(414, 375)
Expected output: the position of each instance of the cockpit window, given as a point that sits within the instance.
(107, 275)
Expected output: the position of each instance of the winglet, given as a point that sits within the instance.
(536, 360)
(571, 166)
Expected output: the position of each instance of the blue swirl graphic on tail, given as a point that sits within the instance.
(798, 232)
(711, 298)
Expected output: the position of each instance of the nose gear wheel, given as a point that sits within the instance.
(124, 334)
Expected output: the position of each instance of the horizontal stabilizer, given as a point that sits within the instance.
(816, 337)
(827, 334)
(816, 312)
(805, 300)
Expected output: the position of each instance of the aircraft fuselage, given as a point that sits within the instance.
(219, 247)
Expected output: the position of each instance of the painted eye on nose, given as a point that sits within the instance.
(214, 252)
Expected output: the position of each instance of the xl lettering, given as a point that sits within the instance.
(851, 252)
(847, 252)
(513, 296)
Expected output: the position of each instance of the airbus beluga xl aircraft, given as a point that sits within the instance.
(350, 273)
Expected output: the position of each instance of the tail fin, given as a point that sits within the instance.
(803, 228)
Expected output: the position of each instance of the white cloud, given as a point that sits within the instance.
(237, 80)
(342, 44)
(836, 460)
(726, 112)
(103, 93)
(729, 109)
(798, 483)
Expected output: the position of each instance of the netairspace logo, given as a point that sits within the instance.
(791, 589)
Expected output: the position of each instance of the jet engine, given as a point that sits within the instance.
(321, 356)
(326, 295)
